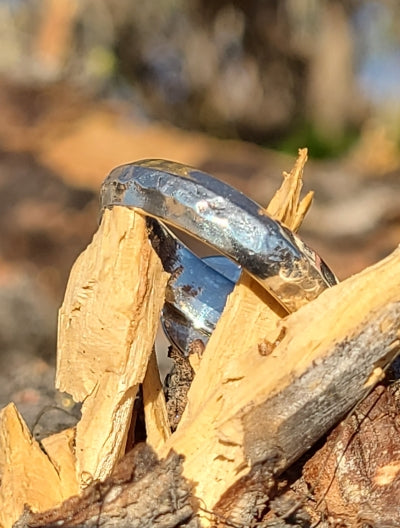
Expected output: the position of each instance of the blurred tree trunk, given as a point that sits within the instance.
(54, 37)
(332, 99)
(304, 55)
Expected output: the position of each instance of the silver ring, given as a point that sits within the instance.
(229, 222)
(226, 220)
(196, 292)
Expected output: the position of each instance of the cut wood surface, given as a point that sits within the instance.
(27, 475)
(107, 327)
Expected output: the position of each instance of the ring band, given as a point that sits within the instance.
(226, 220)
(196, 292)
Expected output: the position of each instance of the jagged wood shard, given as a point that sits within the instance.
(107, 327)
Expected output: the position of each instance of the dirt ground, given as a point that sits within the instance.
(56, 147)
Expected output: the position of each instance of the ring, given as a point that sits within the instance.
(196, 292)
(229, 222)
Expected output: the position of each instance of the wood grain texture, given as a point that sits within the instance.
(27, 474)
(60, 448)
(157, 424)
(247, 409)
(107, 327)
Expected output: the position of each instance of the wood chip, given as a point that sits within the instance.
(27, 474)
(286, 205)
(107, 327)
(155, 410)
(60, 448)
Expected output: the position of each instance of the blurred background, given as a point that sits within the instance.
(231, 87)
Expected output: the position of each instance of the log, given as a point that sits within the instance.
(224, 434)
(106, 332)
(247, 408)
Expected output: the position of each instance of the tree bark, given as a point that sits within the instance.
(142, 493)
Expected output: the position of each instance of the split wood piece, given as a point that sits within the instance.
(253, 408)
(106, 332)
(142, 492)
(26, 473)
(155, 410)
(60, 448)
(286, 206)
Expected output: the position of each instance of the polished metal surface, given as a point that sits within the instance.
(226, 220)
(196, 292)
